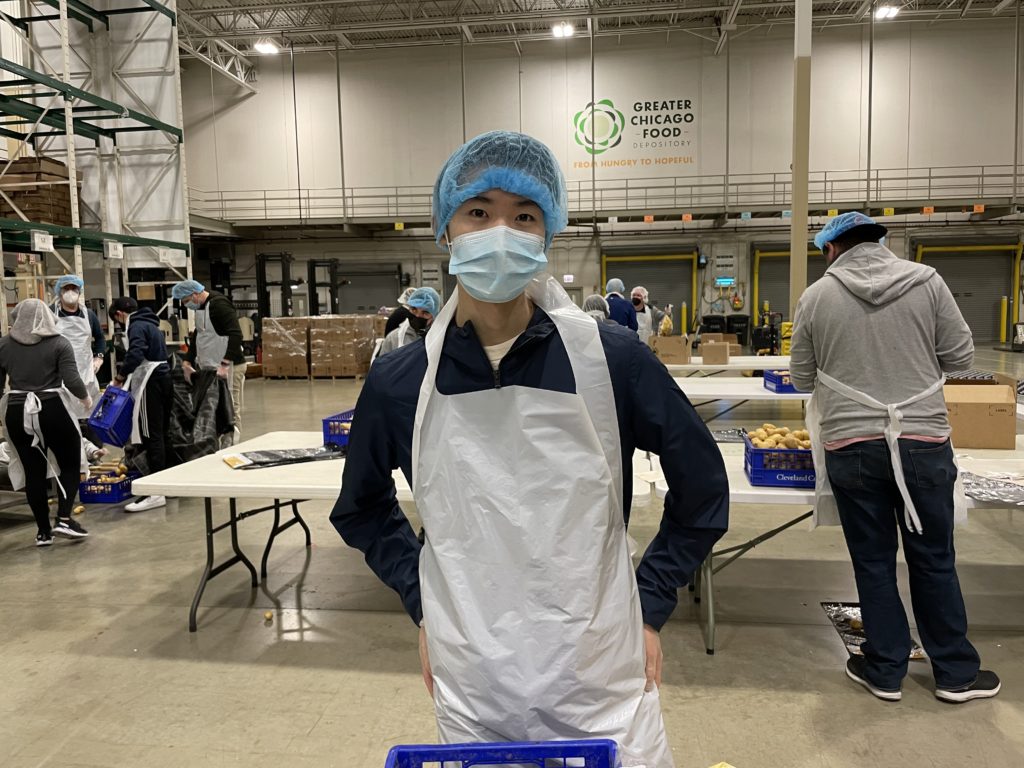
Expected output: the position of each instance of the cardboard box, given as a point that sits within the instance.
(712, 338)
(671, 350)
(982, 416)
(735, 350)
(715, 354)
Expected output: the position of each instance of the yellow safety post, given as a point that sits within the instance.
(1003, 306)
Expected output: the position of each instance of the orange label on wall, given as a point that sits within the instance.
(979, 208)
(687, 217)
(648, 219)
(928, 210)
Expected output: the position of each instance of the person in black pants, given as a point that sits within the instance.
(147, 356)
(39, 362)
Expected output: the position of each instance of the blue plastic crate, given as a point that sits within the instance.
(112, 417)
(779, 381)
(337, 427)
(778, 467)
(91, 492)
(594, 753)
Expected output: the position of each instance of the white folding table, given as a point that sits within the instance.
(711, 389)
(209, 477)
(737, 363)
(741, 491)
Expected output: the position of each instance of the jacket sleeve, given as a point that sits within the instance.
(224, 319)
(954, 344)
(803, 367)
(190, 356)
(137, 346)
(631, 318)
(99, 341)
(68, 369)
(697, 504)
(367, 514)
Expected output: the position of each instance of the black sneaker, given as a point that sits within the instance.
(855, 671)
(69, 529)
(985, 686)
(44, 539)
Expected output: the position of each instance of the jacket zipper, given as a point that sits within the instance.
(497, 376)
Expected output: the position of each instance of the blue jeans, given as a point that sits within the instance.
(871, 511)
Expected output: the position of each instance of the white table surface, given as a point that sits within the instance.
(209, 476)
(737, 363)
(732, 388)
(975, 460)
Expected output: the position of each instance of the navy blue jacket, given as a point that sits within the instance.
(145, 342)
(99, 341)
(653, 414)
(622, 311)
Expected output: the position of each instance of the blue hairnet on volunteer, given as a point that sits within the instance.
(840, 224)
(512, 162)
(63, 282)
(187, 288)
(615, 286)
(425, 298)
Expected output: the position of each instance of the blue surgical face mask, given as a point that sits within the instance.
(495, 265)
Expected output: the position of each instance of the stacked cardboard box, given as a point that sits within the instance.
(38, 187)
(341, 345)
(286, 347)
(380, 324)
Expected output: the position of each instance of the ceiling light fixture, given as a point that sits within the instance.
(563, 29)
(886, 12)
(266, 47)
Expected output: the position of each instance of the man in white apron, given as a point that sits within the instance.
(80, 326)
(216, 343)
(513, 421)
(648, 318)
(872, 340)
(423, 306)
(144, 370)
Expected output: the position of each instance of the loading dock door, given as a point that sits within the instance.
(365, 292)
(773, 280)
(668, 279)
(978, 281)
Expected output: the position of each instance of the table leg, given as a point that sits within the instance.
(270, 539)
(234, 543)
(192, 626)
(708, 580)
(297, 516)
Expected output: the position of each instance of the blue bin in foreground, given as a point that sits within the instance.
(593, 753)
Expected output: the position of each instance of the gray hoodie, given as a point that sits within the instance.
(884, 326)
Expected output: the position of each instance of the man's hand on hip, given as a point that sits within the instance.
(652, 657)
(428, 676)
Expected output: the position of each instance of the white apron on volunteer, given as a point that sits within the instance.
(210, 346)
(645, 324)
(826, 512)
(76, 329)
(30, 423)
(530, 603)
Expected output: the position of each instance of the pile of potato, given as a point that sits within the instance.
(109, 473)
(770, 436)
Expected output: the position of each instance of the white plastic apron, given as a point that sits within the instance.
(210, 347)
(136, 386)
(645, 324)
(30, 423)
(530, 602)
(78, 331)
(825, 510)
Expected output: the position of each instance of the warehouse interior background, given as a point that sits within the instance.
(284, 153)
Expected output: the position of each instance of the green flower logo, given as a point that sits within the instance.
(599, 127)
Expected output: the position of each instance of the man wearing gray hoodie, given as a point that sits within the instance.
(877, 331)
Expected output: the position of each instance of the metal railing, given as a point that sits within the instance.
(679, 193)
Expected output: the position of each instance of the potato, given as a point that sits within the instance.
(767, 427)
(761, 434)
(757, 442)
(790, 442)
(752, 435)
(783, 431)
(805, 444)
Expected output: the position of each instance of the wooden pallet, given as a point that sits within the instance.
(335, 377)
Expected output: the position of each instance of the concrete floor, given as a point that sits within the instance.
(98, 668)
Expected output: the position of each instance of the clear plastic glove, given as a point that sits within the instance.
(428, 675)
(97, 363)
(223, 371)
(654, 658)
(86, 403)
(188, 370)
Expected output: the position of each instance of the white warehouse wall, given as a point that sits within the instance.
(943, 96)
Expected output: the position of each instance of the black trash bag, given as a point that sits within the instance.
(200, 413)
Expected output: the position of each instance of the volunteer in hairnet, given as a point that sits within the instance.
(424, 304)
(514, 423)
(80, 326)
(648, 317)
(596, 306)
(216, 343)
(37, 414)
(620, 310)
(401, 312)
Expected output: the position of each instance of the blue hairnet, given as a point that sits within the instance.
(425, 298)
(842, 224)
(615, 286)
(187, 288)
(63, 282)
(512, 162)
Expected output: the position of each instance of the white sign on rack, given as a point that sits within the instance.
(42, 242)
(113, 250)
